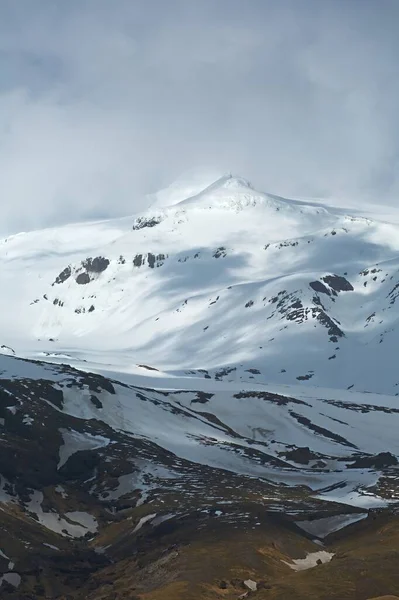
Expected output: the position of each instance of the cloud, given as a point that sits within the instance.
(103, 102)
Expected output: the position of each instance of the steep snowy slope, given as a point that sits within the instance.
(272, 289)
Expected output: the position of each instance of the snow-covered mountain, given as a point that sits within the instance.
(274, 290)
(223, 350)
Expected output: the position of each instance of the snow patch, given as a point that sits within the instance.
(51, 546)
(77, 524)
(13, 579)
(142, 521)
(75, 441)
(323, 527)
(312, 560)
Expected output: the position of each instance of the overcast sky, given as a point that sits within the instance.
(102, 101)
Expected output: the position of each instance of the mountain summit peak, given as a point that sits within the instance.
(193, 183)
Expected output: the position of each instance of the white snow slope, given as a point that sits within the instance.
(219, 279)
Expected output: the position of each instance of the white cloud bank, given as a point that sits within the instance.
(102, 102)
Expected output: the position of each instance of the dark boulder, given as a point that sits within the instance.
(376, 461)
(83, 278)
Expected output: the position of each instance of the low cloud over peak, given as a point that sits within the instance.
(102, 103)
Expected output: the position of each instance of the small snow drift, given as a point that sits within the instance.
(321, 528)
(312, 560)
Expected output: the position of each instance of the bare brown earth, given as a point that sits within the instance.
(212, 560)
(385, 598)
(214, 565)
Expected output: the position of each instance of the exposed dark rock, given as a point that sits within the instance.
(83, 278)
(64, 275)
(333, 330)
(393, 294)
(94, 400)
(95, 265)
(321, 430)
(297, 304)
(220, 252)
(377, 461)
(319, 287)
(142, 222)
(202, 398)
(138, 260)
(160, 258)
(4, 347)
(287, 245)
(338, 283)
(268, 397)
(301, 455)
(224, 372)
(80, 465)
(153, 260)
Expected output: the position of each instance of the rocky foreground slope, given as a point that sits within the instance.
(114, 490)
(200, 402)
